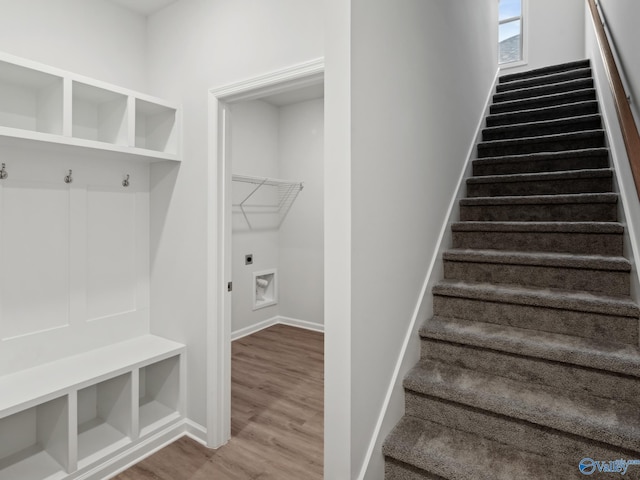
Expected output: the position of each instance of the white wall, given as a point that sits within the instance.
(301, 143)
(287, 143)
(96, 38)
(195, 45)
(255, 150)
(555, 33)
(413, 116)
(622, 20)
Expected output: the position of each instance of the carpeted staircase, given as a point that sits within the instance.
(530, 362)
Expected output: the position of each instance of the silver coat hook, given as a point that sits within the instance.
(68, 178)
(3, 173)
(125, 182)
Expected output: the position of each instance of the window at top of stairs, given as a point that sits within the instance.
(510, 31)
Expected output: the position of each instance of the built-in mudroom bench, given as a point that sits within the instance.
(83, 381)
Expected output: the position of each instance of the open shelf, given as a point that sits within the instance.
(34, 442)
(99, 114)
(155, 127)
(104, 418)
(159, 393)
(30, 99)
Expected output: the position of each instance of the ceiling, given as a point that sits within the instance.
(144, 7)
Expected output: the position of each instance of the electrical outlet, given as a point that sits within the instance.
(248, 259)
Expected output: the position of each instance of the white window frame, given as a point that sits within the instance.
(524, 37)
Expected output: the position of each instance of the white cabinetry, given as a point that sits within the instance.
(41, 104)
(65, 417)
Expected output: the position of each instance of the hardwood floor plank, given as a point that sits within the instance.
(277, 416)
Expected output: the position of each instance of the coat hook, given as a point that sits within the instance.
(3, 173)
(125, 182)
(68, 178)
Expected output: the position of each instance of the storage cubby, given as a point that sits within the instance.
(159, 392)
(30, 99)
(104, 418)
(34, 442)
(155, 127)
(99, 114)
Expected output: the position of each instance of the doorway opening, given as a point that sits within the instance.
(266, 261)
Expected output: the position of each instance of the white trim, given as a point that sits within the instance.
(218, 366)
(277, 320)
(419, 313)
(195, 432)
(294, 322)
(251, 329)
(134, 455)
(307, 73)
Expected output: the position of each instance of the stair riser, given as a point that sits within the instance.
(541, 102)
(544, 72)
(566, 212)
(552, 113)
(394, 470)
(523, 147)
(509, 133)
(547, 80)
(538, 91)
(554, 445)
(541, 187)
(590, 280)
(534, 371)
(510, 167)
(579, 243)
(595, 326)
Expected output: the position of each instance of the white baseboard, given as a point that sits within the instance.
(133, 455)
(294, 322)
(243, 332)
(277, 320)
(196, 432)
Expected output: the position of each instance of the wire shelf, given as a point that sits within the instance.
(287, 192)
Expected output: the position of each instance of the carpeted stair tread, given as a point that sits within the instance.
(551, 100)
(540, 227)
(544, 71)
(614, 422)
(588, 238)
(543, 176)
(542, 161)
(545, 79)
(549, 298)
(543, 127)
(542, 90)
(542, 143)
(591, 273)
(572, 198)
(546, 183)
(597, 354)
(456, 455)
(595, 262)
(575, 109)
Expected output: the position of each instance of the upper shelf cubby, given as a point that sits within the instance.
(155, 127)
(41, 105)
(99, 114)
(30, 99)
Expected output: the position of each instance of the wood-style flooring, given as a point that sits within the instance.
(276, 419)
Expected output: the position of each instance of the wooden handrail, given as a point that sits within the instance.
(627, 122)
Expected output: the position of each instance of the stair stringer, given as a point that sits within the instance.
(394, 403)
(629, 204)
